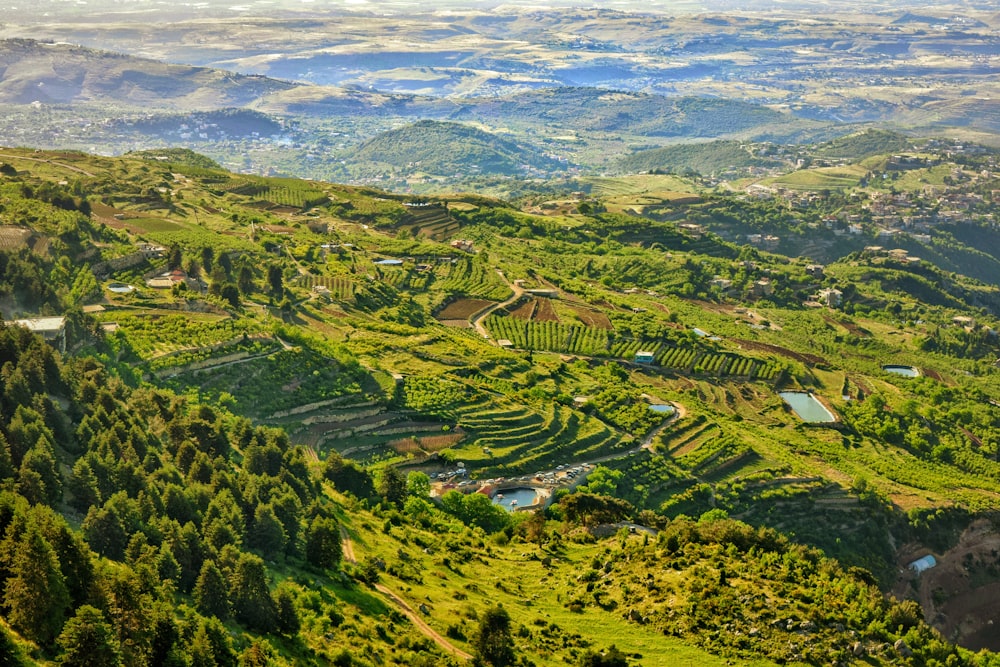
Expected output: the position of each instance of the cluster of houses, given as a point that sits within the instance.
(888, 214)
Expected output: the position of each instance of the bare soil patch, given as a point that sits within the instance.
(960, 596)
(611, 306)
(593, 318)
(525, 311)
(12, 238)
(545, 312)
(850, 327)
(810, 359)
(462, 309)
(427, 443)
(279, 229)
(458, 324)
(722, 308)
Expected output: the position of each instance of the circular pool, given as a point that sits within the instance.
(512, 499)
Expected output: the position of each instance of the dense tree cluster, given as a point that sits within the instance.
(165, 512)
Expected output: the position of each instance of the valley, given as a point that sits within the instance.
(461, 339)
(495, 335)
(303, 92)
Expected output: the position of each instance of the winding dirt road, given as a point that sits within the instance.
(401, 604)
(477, 319)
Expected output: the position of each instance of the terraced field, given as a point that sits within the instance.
(340, 287)
(589, 341)
(462, 309)
(825, 178)
(473, 279)
(433, 222)
(506, 436)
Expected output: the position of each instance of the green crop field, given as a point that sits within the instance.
(821, 178)
(692, 515)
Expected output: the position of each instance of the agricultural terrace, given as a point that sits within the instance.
(588, 341)
(284, 192)
(152, 334)
(510, 437)
(822, 178)
(339, 287)
(460, 310)
(278, 380)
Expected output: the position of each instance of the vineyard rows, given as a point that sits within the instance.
(286, 193)
(340, 287)
(587, 341)
(402, 278)
(473, 279)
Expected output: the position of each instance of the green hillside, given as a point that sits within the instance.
(622, 112)
(439, 148)
(707, 158)
(864, 144)
(278, 398)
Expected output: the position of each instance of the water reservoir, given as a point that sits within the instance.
(512, 499)
(807, 407)
(662, 409)
(905, 371)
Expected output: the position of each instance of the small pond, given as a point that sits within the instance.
(511, 499)
(807, 407)
(662, 409)
(905, 371)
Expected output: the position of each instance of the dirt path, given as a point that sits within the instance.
(679, 413)
(348, 546)
(428, 631)
(58, 164)
(477, 319)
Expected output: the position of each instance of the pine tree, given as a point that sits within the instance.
(129, 611)
(218, 638)
(200, 650)
(105, 533)
(274, 280)
(82, 486)
(87, 640)
(75, 558)
(494, 642)
(392, 486)
(268, 534)
(323, 543)
(6, 464)
(258, 654)
(244, 280)
(210, 595)
(288, 615)
(288, 508)
(36, 596)
(251, 598)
